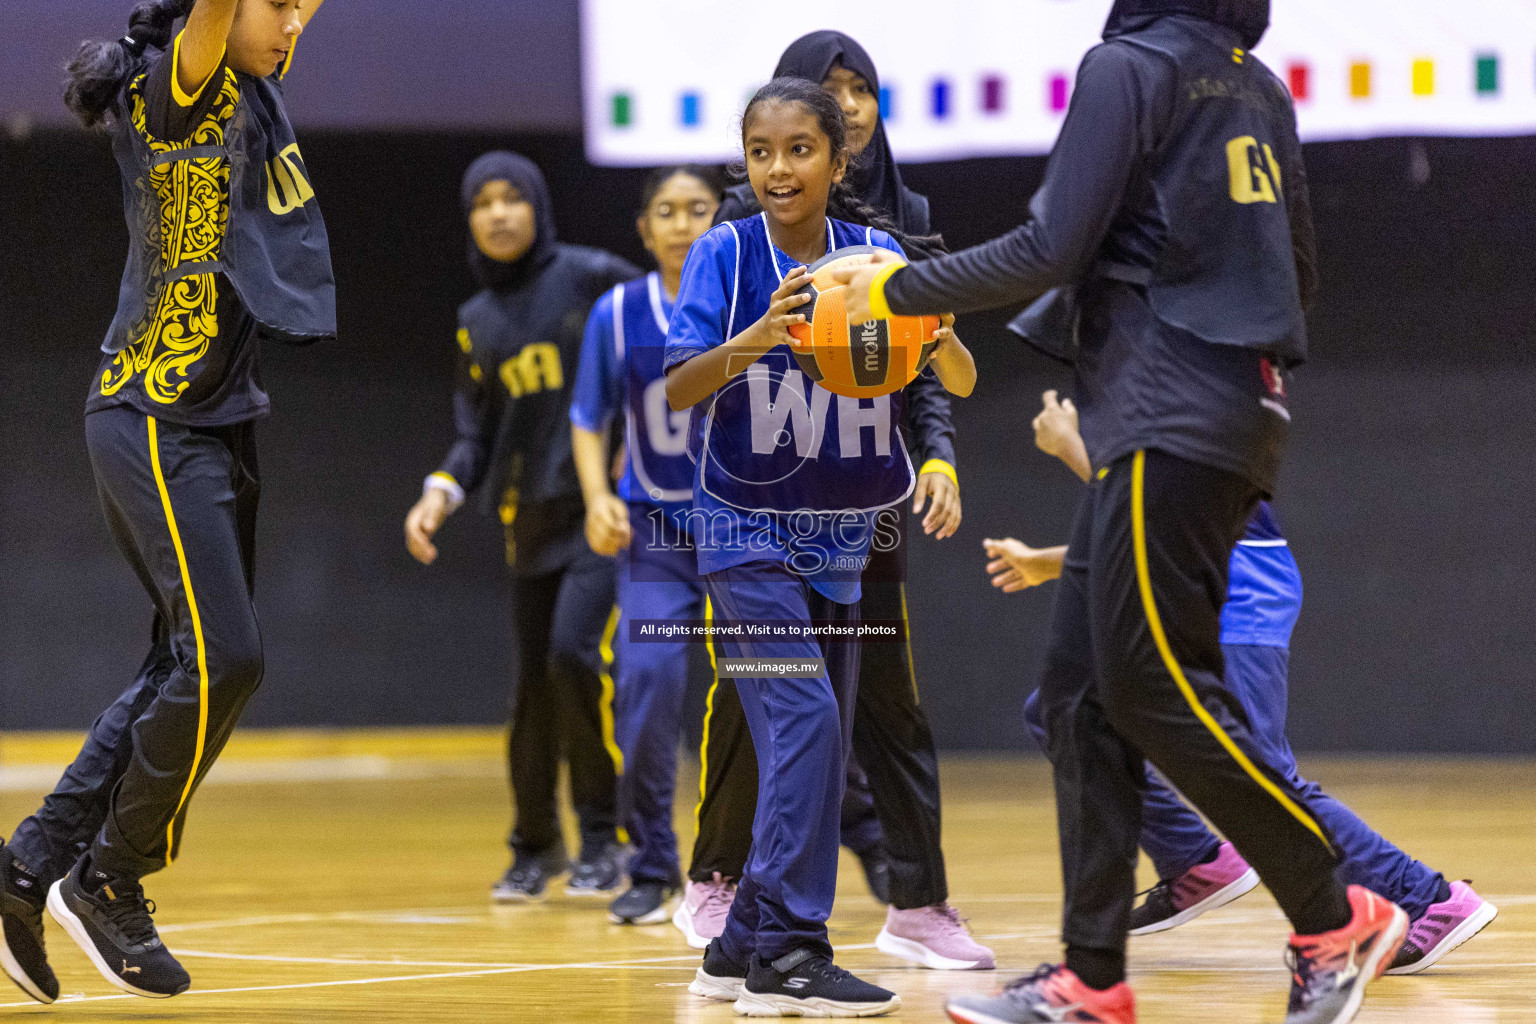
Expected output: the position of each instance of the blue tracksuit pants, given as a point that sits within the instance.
(1175, 838)
(801, 730)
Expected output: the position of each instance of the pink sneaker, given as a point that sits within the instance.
(933, 937)
(1443, 927)
(1201, 888)
(701, 916)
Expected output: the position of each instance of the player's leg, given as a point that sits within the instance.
(1162, 542)
(187, 501)
(728, 799)
(801, 728)
(651, 681)
(892, 738)
(533, 748)
(860, 829)
(580, 664)
(1442, 915)
(1098, 781)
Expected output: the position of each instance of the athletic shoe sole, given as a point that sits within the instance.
(1220, 898)
(13, 969)
(726, 990)
(684, 923)
(1386, 949)
(512, 896)
(1460, 934)
(657, 916)
(767, 1004)
(917, 953)
(965, 1015)
(585, 893)
(59, 910)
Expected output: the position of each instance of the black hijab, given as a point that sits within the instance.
(873, 176)
(526, 177)
(1249, 18)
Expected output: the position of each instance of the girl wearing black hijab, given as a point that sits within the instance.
(891, 819)
(520, 341)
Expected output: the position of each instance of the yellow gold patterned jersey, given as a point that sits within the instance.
(190, 179)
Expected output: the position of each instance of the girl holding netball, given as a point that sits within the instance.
(226, 247)
(783, 522)
(520, 341)
(645, 525)
(892, 809)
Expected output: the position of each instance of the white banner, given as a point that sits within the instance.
(665, 80)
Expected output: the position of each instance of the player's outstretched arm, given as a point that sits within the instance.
(1016, 566)
(203, 42)
(1056, 434)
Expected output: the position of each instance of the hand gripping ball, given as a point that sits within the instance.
(857, 360)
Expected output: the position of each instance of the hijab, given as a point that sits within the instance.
(873, 176)
(1249, 18)
(523, 175)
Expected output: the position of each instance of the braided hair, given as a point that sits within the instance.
(842, 202)
(99, 69)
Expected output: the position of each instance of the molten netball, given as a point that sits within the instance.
(862, 360)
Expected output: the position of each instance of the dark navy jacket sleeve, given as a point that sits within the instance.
(929, 422)
(1119, 111)
(476, 413)
(1298, 203)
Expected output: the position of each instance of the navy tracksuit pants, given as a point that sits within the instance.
(180, 503)
(801, 730)
(657, 580)
(1176, 839)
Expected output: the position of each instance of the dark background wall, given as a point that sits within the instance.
(1408, 493)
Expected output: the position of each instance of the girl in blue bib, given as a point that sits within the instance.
(788, 486)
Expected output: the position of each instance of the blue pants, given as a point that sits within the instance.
(1176, 839)
(656, 581)
(801, 730)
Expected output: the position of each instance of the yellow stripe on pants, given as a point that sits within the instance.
(1155, 624)
(197, 633)
(605, 702)
(709, 712)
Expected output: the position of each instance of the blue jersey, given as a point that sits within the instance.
(785, 469)
(1264, 586)
(621, 369)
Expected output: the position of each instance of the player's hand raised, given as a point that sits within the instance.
(857, 281)
(1016, 566)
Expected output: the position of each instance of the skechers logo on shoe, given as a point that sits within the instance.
(796, 983)
(130, 970)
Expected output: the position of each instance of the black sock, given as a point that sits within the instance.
(1099, 969)
(1327, 911)
(1211, 857)
(1443, 893)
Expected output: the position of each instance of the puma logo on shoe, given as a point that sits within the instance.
(130, 970)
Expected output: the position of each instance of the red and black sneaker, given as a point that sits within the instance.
(1329, 972)
(1052, 995)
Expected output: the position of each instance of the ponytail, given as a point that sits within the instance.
(100, 69)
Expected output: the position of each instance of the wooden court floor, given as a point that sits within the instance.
(343, 878)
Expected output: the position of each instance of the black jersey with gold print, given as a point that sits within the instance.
(226, 245)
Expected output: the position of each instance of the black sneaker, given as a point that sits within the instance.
(599, 872)
(809, 984)
(718, 977)
(877, 873)
(644, 903)
(22, 953)
(529, 876)
(109, 919)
